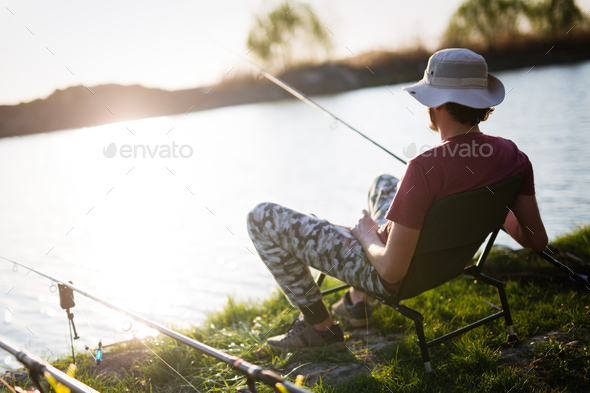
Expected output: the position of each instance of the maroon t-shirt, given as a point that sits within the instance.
(460, 163)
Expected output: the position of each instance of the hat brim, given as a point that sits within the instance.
(474, 98)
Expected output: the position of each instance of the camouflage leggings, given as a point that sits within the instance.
(288, 242)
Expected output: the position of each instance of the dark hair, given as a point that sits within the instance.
(464, 114)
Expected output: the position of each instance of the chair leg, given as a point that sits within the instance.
(423, 346)
(417, 318)
(320, 279)
(512, 337)
(500, 285)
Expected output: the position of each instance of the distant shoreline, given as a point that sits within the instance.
(80, 106)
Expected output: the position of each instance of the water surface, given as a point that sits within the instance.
(166, 237)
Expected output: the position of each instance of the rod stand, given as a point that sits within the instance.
(251, 384)
(71, 319)
(34, 375)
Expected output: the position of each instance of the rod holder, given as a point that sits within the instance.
(71, 319)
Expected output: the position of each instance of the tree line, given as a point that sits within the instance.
(291, 34)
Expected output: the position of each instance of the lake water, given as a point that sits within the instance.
(166, 237)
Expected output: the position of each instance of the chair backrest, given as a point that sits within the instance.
(454, 228)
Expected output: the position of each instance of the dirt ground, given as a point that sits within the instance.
(367, 346)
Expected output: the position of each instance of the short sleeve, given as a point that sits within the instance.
(528, 178)
(413, 198)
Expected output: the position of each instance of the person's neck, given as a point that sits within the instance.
(455, 128)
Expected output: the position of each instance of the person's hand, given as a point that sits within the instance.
(365, 226)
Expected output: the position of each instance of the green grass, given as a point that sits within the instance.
(577, 242)
(470, 362)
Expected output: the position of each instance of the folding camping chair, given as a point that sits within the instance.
(454, 229)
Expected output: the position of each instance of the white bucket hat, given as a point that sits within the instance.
(457, 75)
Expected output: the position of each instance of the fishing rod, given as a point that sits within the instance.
(38, 367)
(281, 83)
(573, 275)
(284, 85)
(251, 371)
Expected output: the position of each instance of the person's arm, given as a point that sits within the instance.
(391, 260)
(524, 223)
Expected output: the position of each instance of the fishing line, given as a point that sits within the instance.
(169, 366)
(251, 371)
(284, 85)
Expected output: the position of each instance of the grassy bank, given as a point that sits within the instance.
(551, 316)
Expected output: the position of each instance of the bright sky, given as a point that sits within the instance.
(159, 44)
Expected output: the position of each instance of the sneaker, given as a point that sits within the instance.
(358, 314)
(302, 335)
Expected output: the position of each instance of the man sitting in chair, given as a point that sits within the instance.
(374, 255)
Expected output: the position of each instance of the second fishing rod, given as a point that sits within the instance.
(251, 371)
(296, 93)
